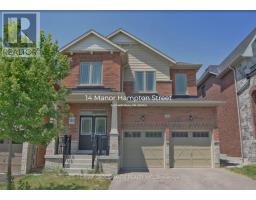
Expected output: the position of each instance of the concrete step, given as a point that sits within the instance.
(105, 176)
(77, 161)
(78, 171)
(78, 165)
(80, 156)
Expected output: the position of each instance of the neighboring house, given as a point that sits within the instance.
(180, 131)
(234, 81)
(25, 157)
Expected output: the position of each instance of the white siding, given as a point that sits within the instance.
(91, 43)
(141, 58)
(122, 39)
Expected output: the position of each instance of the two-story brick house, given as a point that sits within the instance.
(233, 81)
(142, 104)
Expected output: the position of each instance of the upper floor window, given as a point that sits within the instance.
(145, 81)
(91, 73)
(180, 84)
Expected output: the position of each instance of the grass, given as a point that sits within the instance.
(248, 170)
(58, 181)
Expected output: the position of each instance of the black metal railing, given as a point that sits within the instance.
(63, 146)
(99, 146)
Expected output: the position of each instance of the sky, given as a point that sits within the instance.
(204, 37)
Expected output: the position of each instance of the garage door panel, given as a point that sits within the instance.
(191, 149)
(204, 153)
(182, 163)
(155, 163)
(143, 152)
(201, 163)
(153, 152)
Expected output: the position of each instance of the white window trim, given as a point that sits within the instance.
(97, 118)
(144, 81)
(186, 92)
(85, 118)
(90, 75)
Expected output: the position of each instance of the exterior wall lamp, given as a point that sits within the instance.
(142, 118)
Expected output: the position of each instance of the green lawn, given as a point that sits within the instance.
(58, 181)
(249, 170)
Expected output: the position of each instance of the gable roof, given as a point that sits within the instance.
(242, 50)
(210, 70)
(87, 34)
(142, 43)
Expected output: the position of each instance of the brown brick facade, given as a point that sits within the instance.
(224, 89)
(191, 80)
(178, 118)
(111, 64)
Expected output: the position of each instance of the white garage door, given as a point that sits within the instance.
(191, 149)
(143, 150)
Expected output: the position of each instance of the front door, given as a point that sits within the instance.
(91, 127)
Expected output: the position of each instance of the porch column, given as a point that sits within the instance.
(167, 148)
(216, 147)
(113, 136)
(110, 164)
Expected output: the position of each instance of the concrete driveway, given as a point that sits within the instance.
(182, 179)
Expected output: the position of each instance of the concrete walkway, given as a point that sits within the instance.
(182, 179)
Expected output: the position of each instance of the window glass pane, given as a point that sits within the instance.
(127, 134)
(154, 134)
(180, 134)
(200, 134)
(139, 81)
(136, 134)
(86, 126)
(150, 81)
(96, 73)
(181, 84)
(100, 126)
(84, 73)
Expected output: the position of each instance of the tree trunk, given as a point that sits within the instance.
(9, 170)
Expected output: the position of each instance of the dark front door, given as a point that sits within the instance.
(92, 127)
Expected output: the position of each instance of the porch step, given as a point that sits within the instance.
(78, 171)
(77, 161)
(82, 157)
(78, 164)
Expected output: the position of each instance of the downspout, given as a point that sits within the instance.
(238, 113)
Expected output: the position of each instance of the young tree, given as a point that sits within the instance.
(32, 103)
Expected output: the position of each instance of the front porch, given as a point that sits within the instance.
(90, 143)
